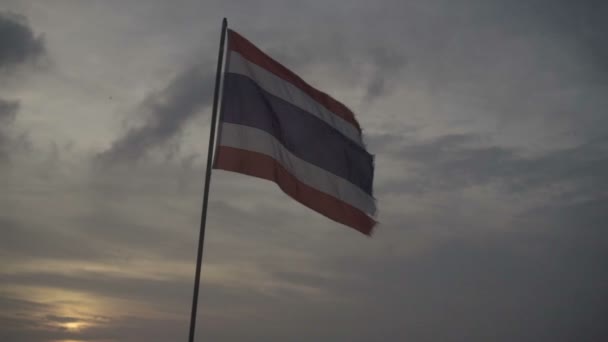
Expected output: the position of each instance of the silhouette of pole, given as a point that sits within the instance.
(201, 237)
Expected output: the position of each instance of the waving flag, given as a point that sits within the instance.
(275, 126)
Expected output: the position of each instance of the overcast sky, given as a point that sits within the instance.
(487, 118)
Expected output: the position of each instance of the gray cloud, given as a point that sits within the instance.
(18, 43)
(166, 112)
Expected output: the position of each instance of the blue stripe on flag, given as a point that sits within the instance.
(303, 134)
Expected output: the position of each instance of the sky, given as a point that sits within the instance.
(487, 119)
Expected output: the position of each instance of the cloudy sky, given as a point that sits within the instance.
(489, 125)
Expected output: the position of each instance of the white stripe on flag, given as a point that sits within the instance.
(256, 140)
(286, 91)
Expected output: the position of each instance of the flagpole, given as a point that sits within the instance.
(201, 237)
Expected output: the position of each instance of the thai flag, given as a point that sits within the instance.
(275, 126)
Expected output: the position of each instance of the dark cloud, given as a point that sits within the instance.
(18, 43)
(387, 68)
(582, 22)
(26, 328)
(164, 292)
(19, 242)
(544, 280)
(8, 113)
(365, 58)
(18, 46)
(166, 112)
(457, 161)
(61, 319)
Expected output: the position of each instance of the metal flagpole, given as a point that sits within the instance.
(201, 238)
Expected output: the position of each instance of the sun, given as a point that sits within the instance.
(73, 326)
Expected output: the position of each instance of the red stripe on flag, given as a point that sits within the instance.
(263, 166)
(252, 53)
